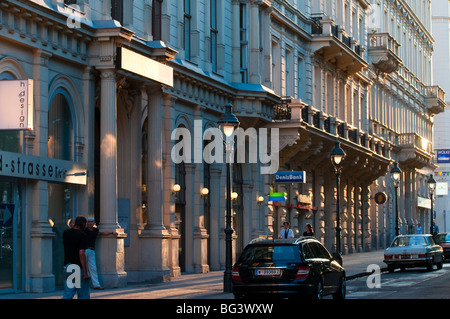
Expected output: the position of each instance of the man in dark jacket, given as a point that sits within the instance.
(76, 277)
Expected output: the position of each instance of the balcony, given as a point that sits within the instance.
(434, 99)
(384, 52)
(415, 150)
(335, 46)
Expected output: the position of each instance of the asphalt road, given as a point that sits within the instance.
(413, 283)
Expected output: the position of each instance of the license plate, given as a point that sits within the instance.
(268, 272)
(406, 257)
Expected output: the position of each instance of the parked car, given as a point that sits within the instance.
(443, 240)
(413, 251)
(287, 268)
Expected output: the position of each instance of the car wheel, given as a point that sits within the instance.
(430, 266)
(319, 290)
(342, 289)
(391, 268)
(439, 264)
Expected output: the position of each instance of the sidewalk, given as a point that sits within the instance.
(200, 286)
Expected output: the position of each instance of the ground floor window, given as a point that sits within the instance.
(11, 235)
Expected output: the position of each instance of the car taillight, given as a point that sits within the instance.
(302, 272)
(422, 255)
(235, 275)
(386, 257)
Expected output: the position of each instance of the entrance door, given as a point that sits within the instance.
(10, 236)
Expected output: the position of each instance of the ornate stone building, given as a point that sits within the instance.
(119, 83)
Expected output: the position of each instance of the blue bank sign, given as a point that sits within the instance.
(290, 177)
(443, 156)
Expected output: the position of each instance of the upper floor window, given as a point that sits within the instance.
(243, 36)
(70, 2)
(60, 128)
(156, 19)
(187, 29)
(10, 141)
(214, 33)
(117, 10)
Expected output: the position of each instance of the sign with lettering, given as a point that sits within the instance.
(290, 177)
(48, 169)
(443, 156)
(16, 105)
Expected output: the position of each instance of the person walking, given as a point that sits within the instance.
(76, 277)
(309, 231)
(92, 232)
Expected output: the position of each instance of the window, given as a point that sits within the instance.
(243, 36)
(60, 129)
(10, 141)
(117, 10)
(156, 19)
(70, 2)
(214, 32)
(187, 29)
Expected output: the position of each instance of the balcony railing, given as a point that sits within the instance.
(416, 141)
(384, 41)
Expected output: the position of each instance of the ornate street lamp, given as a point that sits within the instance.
(337, 156)
(227, 123)
(431, 186)
(395, 176)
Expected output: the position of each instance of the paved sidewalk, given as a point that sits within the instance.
(199, 286)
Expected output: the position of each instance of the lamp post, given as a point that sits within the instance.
(431, 186)
(227, 123)
(337, 156)
(395, 176)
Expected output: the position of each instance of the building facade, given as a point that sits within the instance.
(127, 93)
(441, 23)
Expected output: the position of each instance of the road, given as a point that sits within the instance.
(414, 283)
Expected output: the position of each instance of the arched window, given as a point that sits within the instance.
(60, 127)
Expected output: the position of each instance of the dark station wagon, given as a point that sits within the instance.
(287, 268)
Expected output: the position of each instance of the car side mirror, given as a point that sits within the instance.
(337, 257)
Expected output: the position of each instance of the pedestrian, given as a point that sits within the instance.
(286, 232)
(419, 229)
(309, 231)
(76, 277)
(92, 232)
(435, 229)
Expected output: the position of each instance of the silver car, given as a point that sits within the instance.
(413, 251)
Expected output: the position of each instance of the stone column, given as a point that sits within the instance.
(254, 34)
(41, 274)
(111, 256)
(155, 237)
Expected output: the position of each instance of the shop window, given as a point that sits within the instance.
(60, 128)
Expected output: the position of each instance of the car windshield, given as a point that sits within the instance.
(409, 241)
(269, 253)
(440, 238)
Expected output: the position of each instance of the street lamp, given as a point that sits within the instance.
(227, 123)
(395, 176)
(337, 156)
(431, 186)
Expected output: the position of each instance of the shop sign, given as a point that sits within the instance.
(41, 168)
(146, 67)
(443, 156)
(290, 177)
(424, 202)
(16, 105)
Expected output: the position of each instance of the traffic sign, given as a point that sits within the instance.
(380, 198)
(6, 214)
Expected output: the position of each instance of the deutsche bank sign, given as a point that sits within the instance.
(16, 105)
(290, 177)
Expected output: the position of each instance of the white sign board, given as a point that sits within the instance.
(441, 188)
(16, 105)
(146, 67)
(424, 202)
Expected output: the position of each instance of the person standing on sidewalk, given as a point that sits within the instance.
(286, 232)
(76, 277)
(92, 233)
